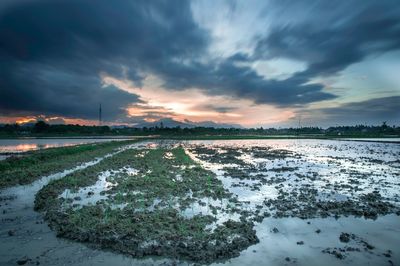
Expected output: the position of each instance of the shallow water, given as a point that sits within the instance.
(274, 248)
(29, 144)
(375, 166)
(373, 161)
(93, 194)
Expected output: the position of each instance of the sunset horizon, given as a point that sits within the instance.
(253, 64)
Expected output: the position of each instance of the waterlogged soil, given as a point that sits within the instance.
(155, 202)
(24, 168)
(301, 187)
(312, 180)
(26, 238)
(233, 202)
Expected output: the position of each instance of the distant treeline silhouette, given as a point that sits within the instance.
(42, 128)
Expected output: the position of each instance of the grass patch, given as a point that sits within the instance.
(152, 220)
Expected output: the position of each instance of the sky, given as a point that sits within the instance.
(253, 63)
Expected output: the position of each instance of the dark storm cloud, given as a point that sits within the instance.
(51, 52)
(327, 35)
(227, 77)
(332, 35)
(37, 89)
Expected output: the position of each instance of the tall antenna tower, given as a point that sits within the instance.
(299, 121)
(299, 127)
(100, 115)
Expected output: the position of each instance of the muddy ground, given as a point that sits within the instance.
(287, 202)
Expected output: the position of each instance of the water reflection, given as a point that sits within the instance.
(22, 145)
(26, 147)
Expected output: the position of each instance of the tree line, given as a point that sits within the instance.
(41, 128)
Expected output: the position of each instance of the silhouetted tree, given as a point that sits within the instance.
(41, 127)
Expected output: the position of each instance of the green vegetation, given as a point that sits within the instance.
(32, 165)
(144, 211)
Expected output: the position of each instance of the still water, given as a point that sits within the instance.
(30, 144)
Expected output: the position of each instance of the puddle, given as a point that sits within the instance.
(97, 192)
(274, 248)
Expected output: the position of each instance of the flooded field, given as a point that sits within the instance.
(9, 146)
(225, 202)
(310, 194)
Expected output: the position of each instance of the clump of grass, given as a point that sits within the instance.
(138, 230)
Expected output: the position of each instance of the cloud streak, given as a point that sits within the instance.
(54, 55)
(335, 35)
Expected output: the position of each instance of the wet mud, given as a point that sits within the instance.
(277, 202)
